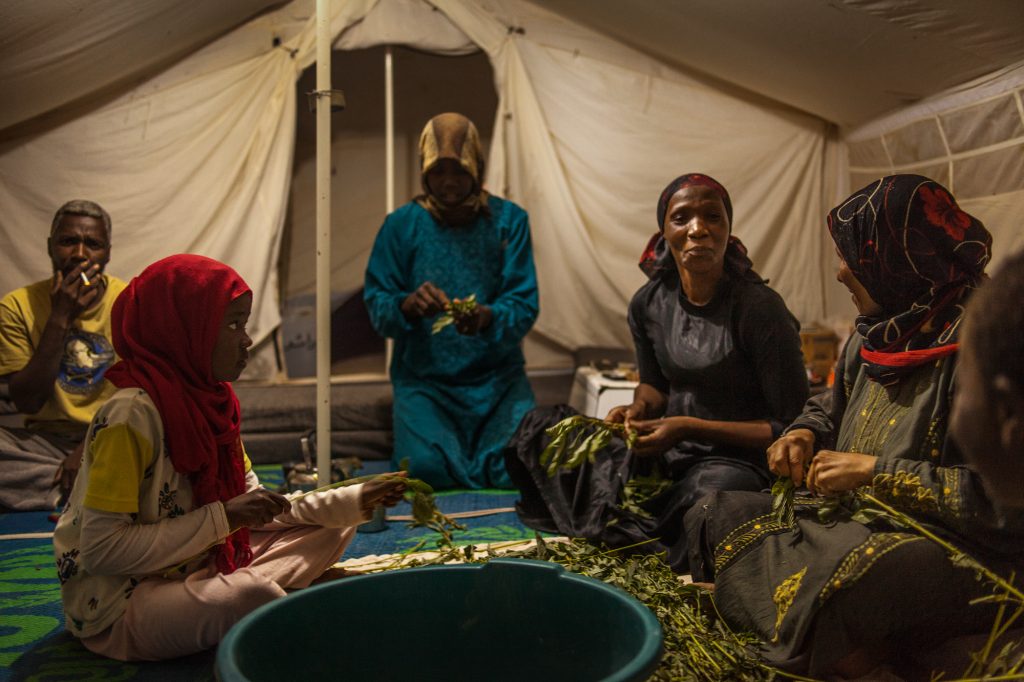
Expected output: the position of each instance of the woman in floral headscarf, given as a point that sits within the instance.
(827, 593)
(721, 374)
(459, 392)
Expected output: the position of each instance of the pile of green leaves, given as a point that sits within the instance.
(640, 489)
(577, 439)
(456, 309)
(425, 513)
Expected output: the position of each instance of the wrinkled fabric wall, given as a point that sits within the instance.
(195, 159)
(56, 52)
(425, 84)
(198, 158)
(587, 134)
(189, 162)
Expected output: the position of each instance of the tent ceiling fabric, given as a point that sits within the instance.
(396, 23)
(195, 159)
(847, 61)
(53, 52)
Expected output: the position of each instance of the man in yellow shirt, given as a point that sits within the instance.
(55, 347)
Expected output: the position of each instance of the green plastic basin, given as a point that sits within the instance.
(509, 619)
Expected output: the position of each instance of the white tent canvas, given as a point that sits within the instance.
(180, 119)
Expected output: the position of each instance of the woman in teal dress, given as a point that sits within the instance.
(460, 393)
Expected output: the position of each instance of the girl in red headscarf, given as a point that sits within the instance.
(168, 538)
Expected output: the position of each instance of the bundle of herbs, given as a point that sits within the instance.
(457, 308)
(640, 489)
(577, 439)
(419, 494)
(829, 508)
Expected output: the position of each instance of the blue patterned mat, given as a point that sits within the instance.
(34, 646)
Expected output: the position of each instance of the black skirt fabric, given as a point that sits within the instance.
(587, 502)
(816, 592)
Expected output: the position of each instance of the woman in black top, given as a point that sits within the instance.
(721, 374)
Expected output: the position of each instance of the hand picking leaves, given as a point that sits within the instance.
(418, 493)
(459, 307)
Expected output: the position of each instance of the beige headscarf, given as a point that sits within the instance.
(452, 136)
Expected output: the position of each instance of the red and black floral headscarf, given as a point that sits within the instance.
(656, 260)
(165, 325)
(919, 256)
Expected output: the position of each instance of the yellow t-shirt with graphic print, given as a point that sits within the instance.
(88, 352)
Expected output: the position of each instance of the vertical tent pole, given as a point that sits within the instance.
(389, 162)
(389, 132)
(323, 242)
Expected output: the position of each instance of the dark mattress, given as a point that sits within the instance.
(276, 416)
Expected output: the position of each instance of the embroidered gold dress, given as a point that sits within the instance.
(818, 590)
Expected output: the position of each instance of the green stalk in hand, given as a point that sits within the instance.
(580, 438)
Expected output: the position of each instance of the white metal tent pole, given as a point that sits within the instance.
(389, 125)
(323, 241)
(389, 162)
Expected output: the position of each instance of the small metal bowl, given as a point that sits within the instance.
(377, 523)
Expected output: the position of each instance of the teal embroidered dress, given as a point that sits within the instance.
(457, 398)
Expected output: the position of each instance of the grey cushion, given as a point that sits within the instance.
(292, 407)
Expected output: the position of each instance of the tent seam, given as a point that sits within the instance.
(949, 152)
(958, 156)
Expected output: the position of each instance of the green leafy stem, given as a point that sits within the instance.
(983, 665)
(424, 509)
(782, 500)
(577, 439)
(456, 309)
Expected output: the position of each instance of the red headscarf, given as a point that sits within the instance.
(165, 326)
